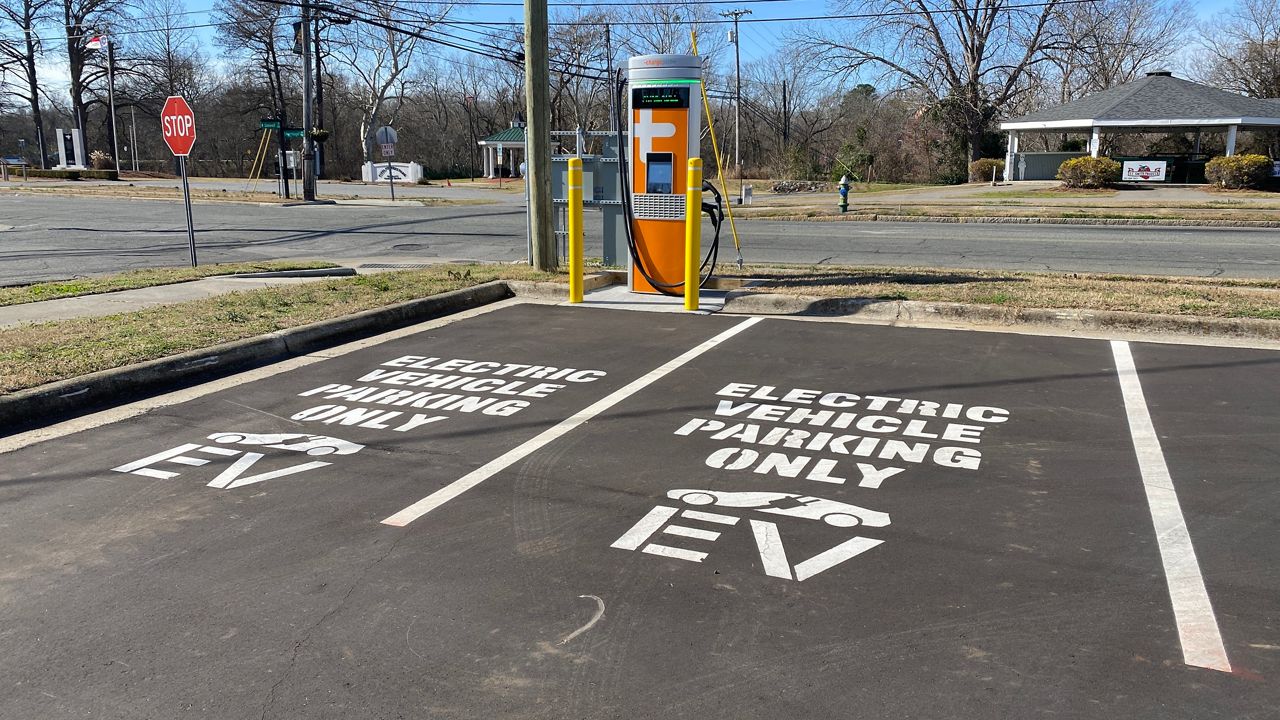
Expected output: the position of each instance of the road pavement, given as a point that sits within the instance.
(46, 237)
(555, 512)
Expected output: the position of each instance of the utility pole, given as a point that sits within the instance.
(308, 145)
(786, 118)
(612, 92)
(319, 147)
(111, 103)
(537, 100)
(133, 136)
(737, 95)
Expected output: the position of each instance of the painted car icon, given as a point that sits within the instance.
(300, 442)
(836, 514)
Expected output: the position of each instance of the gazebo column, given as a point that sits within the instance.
(1197, 141)
(484, 160)
(1095, 142)
(1009, 155)
(1231, 139)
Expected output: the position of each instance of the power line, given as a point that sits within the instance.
(454, 42)
(807, 18)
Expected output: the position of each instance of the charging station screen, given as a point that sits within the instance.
(652, 98)
(658, 177)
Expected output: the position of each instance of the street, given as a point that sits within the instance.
(49, 237)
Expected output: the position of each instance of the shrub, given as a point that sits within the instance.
(101, 160)
(1088, 172)
(1238, 171)
(74, 174)
(981, 170)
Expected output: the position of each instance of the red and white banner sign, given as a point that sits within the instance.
(1144, 170)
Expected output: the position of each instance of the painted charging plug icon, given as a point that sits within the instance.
(835, 514)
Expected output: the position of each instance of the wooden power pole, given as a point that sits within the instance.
(537, 139)
(737, 95)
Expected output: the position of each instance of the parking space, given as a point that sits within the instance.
(552, 512)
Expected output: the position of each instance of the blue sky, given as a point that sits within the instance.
(759, 39)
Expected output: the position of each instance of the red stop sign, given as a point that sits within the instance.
(179, 125)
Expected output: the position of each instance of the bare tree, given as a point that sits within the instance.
(578, 54)
(163, 58)
(378, 58)
(786, 100)
(1240, 49)
(971, 59)
(20, 56)
(82, 20)
(652, 28)
(1111, 42)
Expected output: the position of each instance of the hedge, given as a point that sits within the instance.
(1088, 172)
(1238, 171)
(980, 170)
(70, 174)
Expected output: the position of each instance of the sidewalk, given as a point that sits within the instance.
(122, 301)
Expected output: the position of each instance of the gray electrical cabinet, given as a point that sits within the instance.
(601, 191)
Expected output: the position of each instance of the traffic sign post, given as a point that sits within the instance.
(178, 124)
(387, 137)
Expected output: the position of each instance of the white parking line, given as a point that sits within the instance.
(509, 458)
(1197, 626)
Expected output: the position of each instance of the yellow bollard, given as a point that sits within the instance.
(692, 233)
(575, 230)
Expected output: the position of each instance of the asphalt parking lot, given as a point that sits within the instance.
(554, 512)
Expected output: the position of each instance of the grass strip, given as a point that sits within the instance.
(32, 355)
(1006, 210)
(1200, 297)
(134, 279)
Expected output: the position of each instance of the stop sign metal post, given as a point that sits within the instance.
(178, 124)
(387, 137)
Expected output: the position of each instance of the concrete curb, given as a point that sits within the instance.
(307, 203)
(559, 291)
(313, 272)
(911, 312)
(1145, 222)
(61, 400)
(68, 398)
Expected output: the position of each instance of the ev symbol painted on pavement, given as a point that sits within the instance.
(767, 537)
(234, 475)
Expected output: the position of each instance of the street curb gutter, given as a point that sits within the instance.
(311, 272)
(913, 312)
(61, 400)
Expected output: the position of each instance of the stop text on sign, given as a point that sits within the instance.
(182, 125)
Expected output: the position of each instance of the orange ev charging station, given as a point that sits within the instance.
(665, 113)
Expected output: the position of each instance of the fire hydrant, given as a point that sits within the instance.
(844, 193)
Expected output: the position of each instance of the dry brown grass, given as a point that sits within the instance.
(1010, 209)
(32, 355)
(1203, 297)
(152, 192)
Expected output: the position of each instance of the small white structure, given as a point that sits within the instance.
(410, 172)
(70, 149)
(500, 149)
